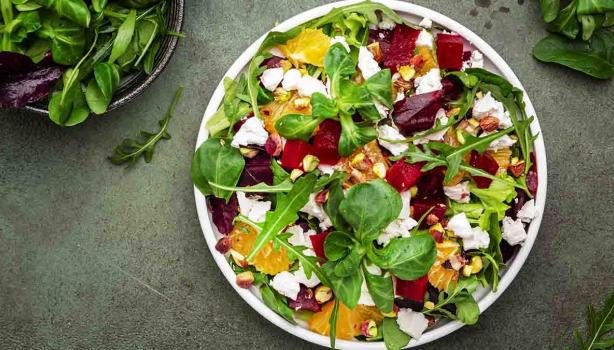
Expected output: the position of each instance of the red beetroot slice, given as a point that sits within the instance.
(412, 290)
(325, 142)
(417, 112)
(273, 62)
(402, 175)
(224, 213)
(419, 207)
(451, 89)
(305, 300)
(450, 51)
(532, 181)
(317, 241)
(383, 37)
(485, 162)
(293, 154)
(430, 184)
(257, 170)
(401, 48)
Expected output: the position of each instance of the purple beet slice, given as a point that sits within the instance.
(383, 37)
(257, 170)
(305, 300)
(224, 213)
(401, 47)
(417, 112)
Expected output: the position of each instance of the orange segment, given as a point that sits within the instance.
(309, 47)
(348, 320)
(267, 260)
(502, 157)
(439, 276)
(274, 110)
(428, 60)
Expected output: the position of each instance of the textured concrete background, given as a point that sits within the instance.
(94, 256)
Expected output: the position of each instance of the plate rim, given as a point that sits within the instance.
(514, 267)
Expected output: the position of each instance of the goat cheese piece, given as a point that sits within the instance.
(527, 212)
(252, 207)
(366, 63)
(390, 133)
(341, 40)
(326, 169)
(460, 225)
(252, 132)
(458, 192)
(400, 96)
(292, 79)
(381, 109)
(477, 59)
(479, 239)
(271, 78)
(438, 135)
(314, 209)
(301, 277)
(300, 237)
(400, 227)
(502, 142)
(425, 39)
(386, 23)
(310, 85)
(365, 296)
(286, 284)
(488, 106)
(412, 323)
(513, 231)
(426, 23)
(429, 82)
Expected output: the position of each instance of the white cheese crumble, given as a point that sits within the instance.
(365, 296)
(458, 192)
(499, 143)
(429, 82)
(366, 63)
(390, 133)
(252, 132)
(292, 79)
(460, 225)
(426, 23)
(400, 227)
(489, 106)
(412, 323)
(480, 239)
(300, 237)
(286, 284)
(314, 209)
(301, 277)
(425, 39)
(400, 96)
(438, 135)
(527, 212)
(386, 23)
(476, 60)
(381, 109)
(513, 231)
(310, 85)
(252, 207)
(341, 40)
(271, 78)
(326, 169)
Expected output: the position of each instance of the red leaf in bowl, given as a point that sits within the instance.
(305, 300)
(224, 213)
(257, 170)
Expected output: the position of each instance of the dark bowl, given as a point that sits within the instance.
(134, 84)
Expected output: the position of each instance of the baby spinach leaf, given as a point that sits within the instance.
(380, 87)
(276, 302)
(550, 9)
(369, 207)
(100, 89)
(556, 49)
(338, 64)
(602, 44)
(353, 135)
(297, 126)
(68, 107)
(381, 290)
(352, 96)
(130, 150)
(67, 39)
(349, 264)
(309, 263)
(285, 213)
(123, 37)
(491, 78)
(366, 8)
(459, 294)
(99, 5)
(337, 245)
(468, 79)
(587, 7)
(394, 337)
(566, 22)
(347, 288)
(590, 24)
(407, 258)
(331, 207)
(467, 310)
(220, 163)
(75, 10)
(322, 106)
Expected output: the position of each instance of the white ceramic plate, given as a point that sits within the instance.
(484, 297)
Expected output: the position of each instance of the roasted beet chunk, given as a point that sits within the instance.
(401, 47)
(224, 213)
(293, 154)
(257, 170)
(485, 162)
(383, 37)
(417, 112)
(273, 62)
(430, 184)
(450, 51)
(419, 207)
(317, 241)
(325, 142)
(412, 290)
(402, 175)
(305, 300)
(451, 89)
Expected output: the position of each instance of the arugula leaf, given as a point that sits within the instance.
(469, 80)
(130, 150)
(285, 213)
(309, 263)
(358, 208)
(600, 326)
(276, 302)
(394, 337)
(381, 290)
(491, 78)
(123, 36)
(459, 294)
(407, 258)
(496, 195)
(233, 108)
(332, 322)
(261, 187)
(366, 8)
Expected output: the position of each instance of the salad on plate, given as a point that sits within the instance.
(367, 174)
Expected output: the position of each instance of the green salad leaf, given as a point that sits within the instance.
(407, 258)
(600, 327)
(394, 337)
(381, 290)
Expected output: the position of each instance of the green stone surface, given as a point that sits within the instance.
(95, 256)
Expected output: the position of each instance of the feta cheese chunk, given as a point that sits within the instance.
(314, 209)
(300, 237)
(502, 142)
(400, 96)
(286, 284)
(480, 239)
(252, 132)
(527, 212)
(429, 82)
(477, 59)
(301, 277)
(400, 227)
(292, 79)
(513, 231)
(412, 323)
(252, 207)
(390, 133)
(386, 23)
(426, 23)
(488, 106)
(367, 64)
(271, 78)
(365, 296)
(458, 192)
(425, 39)
(341, 40)
(381, 109)
(326, 169)
(460, 225)
(438, 135)
(310, 85)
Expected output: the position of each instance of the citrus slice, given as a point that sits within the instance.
(348, 320)
(440, 276)
(267, 260)
(502, 157)
(275, 109)
(428, 60)
(309, 47)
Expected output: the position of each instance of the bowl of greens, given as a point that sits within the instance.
(71, 59)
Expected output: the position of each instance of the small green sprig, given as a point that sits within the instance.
(599, 328)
